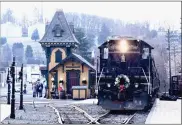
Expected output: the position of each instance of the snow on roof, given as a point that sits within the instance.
(10, 30)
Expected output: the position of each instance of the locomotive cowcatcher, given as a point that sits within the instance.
(127, 78)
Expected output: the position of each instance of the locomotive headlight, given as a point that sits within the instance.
(136, 85)
(123, 46)
(108, 85)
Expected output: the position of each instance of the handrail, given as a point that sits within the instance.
(143, 72)
(100, 75)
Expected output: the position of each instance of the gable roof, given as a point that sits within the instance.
(68, 36)
(74, 56)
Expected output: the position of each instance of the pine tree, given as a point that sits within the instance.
(85, 43)
(18, 52)
(3, 41)
(29, 52)
(35, 35)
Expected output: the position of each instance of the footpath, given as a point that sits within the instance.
(165, 112)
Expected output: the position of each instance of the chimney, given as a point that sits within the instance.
(71, 25)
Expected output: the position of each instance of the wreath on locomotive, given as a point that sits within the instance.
(122, 82)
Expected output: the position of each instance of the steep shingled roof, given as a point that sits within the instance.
(67, 36)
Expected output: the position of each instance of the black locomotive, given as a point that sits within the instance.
(127, 78)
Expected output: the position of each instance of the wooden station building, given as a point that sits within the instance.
(65, 66)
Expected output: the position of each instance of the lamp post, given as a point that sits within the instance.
(21, 91)
(9, 87)
(12, 115)
(181, 47)
(53, 86)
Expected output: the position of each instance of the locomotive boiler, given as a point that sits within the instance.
(127, 78)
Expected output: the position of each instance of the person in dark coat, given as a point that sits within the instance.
(40, 89)
(37, 87)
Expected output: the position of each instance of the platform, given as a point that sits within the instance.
(165, 112)
(5, 111)
(86, 101)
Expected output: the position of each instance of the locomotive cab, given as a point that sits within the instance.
(126, 74)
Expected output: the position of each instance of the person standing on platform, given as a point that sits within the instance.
(37, 87)
(34, 87)
(40, 89)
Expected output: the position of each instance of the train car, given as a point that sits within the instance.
(176, 86)
(127, 77)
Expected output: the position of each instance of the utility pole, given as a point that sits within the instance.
(169, 48)
(174, 59)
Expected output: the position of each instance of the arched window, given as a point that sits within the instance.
(58, 56)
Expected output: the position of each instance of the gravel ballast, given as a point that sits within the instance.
(43, 114)
(40, 114)
(113, 118)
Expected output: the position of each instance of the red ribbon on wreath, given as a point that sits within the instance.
(121, 88)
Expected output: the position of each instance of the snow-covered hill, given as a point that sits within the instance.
(10, 30)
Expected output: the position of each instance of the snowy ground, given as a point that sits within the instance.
(165, 112)
(40, 114)
(5, 111)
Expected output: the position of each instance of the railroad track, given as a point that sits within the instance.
(128, 119)
(75, 115)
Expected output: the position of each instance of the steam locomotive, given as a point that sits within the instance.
(127, 78)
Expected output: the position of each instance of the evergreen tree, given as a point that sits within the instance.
(7, 53)
(3, 41)
(18, 52)
(35, 35)
(8, 16)
(85, 43)
(29, 52)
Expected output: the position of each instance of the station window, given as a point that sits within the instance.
(58, 56)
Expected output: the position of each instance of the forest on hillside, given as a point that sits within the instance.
(91, 31)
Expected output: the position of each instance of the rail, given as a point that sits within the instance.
(129, 119)
(92, 120)
(60, 120)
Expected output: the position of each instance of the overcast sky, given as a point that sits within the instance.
(159, 13)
